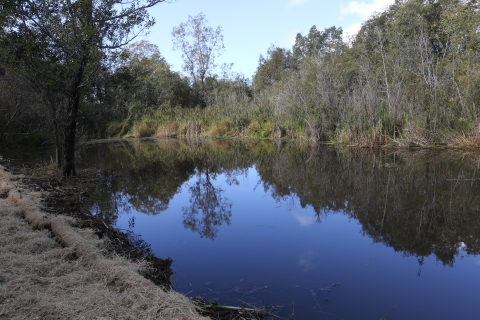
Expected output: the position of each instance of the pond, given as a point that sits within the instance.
(311, 233)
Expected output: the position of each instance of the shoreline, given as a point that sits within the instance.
(460, 142)
(135, 283)
(53, 269)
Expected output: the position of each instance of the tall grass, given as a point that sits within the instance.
(215, 122)
(259, 121)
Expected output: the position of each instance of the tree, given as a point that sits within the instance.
(64, 43)
(21, 114)
(142, 81)
(273, 68)
(143, 57)
(200, 46)
(317, 42)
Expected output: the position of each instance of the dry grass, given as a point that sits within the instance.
(220, 129)
(116, 129)
(167, 130)
(193, 129)
(471, 141)
(41, 279)
(415, 137)
(143, 129)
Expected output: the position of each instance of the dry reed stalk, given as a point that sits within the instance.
(167, 130)
(471, 141)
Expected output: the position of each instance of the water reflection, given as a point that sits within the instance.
(308, 260)
(418, 203)
(208, 207)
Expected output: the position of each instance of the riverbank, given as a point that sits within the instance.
(252, 122)
(53, 269)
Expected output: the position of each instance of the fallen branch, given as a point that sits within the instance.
(385, 316)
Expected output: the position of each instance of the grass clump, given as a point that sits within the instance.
(170, 129)
(144, 128)
(116, 129)
(221, 128)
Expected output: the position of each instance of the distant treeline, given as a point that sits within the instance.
(410, 77)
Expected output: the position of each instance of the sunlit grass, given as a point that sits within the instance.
(258, 121)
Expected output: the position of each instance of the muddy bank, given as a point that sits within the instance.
(67, 197)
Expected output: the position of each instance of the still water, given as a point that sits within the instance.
(323, 233)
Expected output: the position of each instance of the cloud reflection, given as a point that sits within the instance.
(304, 220)
(307, 260)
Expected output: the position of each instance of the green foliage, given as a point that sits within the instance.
(6, 11)
(142, 58)
(200, 45)
(413, 69)
(144, 81)
(317, 42)
(116, 129)
(64, 45)
(273, 68)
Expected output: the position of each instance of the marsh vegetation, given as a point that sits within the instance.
(410, 77)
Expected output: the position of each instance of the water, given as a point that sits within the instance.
(310, 233)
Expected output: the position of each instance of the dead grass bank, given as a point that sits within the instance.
(68, 277)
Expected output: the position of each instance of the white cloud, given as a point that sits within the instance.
(362, 9)
(294, 3)
(351, 31)
(304, 220)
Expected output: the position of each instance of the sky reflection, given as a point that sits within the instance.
(268, 228)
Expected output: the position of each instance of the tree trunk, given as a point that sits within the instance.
(70, 129)
(69, 146)
(58, 146)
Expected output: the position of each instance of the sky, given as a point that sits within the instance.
(250, 27)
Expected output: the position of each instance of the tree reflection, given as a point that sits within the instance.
(418, 203)
(208, 208)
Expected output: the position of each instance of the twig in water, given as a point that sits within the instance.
(314, 295)
(293, 307)
(385, 316)
(245, 303)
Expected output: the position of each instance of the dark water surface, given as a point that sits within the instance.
(316, 234)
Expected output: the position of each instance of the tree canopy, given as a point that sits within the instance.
(200, 45)
(63, 43)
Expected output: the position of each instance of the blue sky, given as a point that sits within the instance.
(251, 26)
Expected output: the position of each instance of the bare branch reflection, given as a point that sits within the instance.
(208, 208)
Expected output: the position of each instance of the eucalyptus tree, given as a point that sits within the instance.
(317, 41)
(64, 43)
(142, 82)
(273, 67)
(200, 45)
(143, 57)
